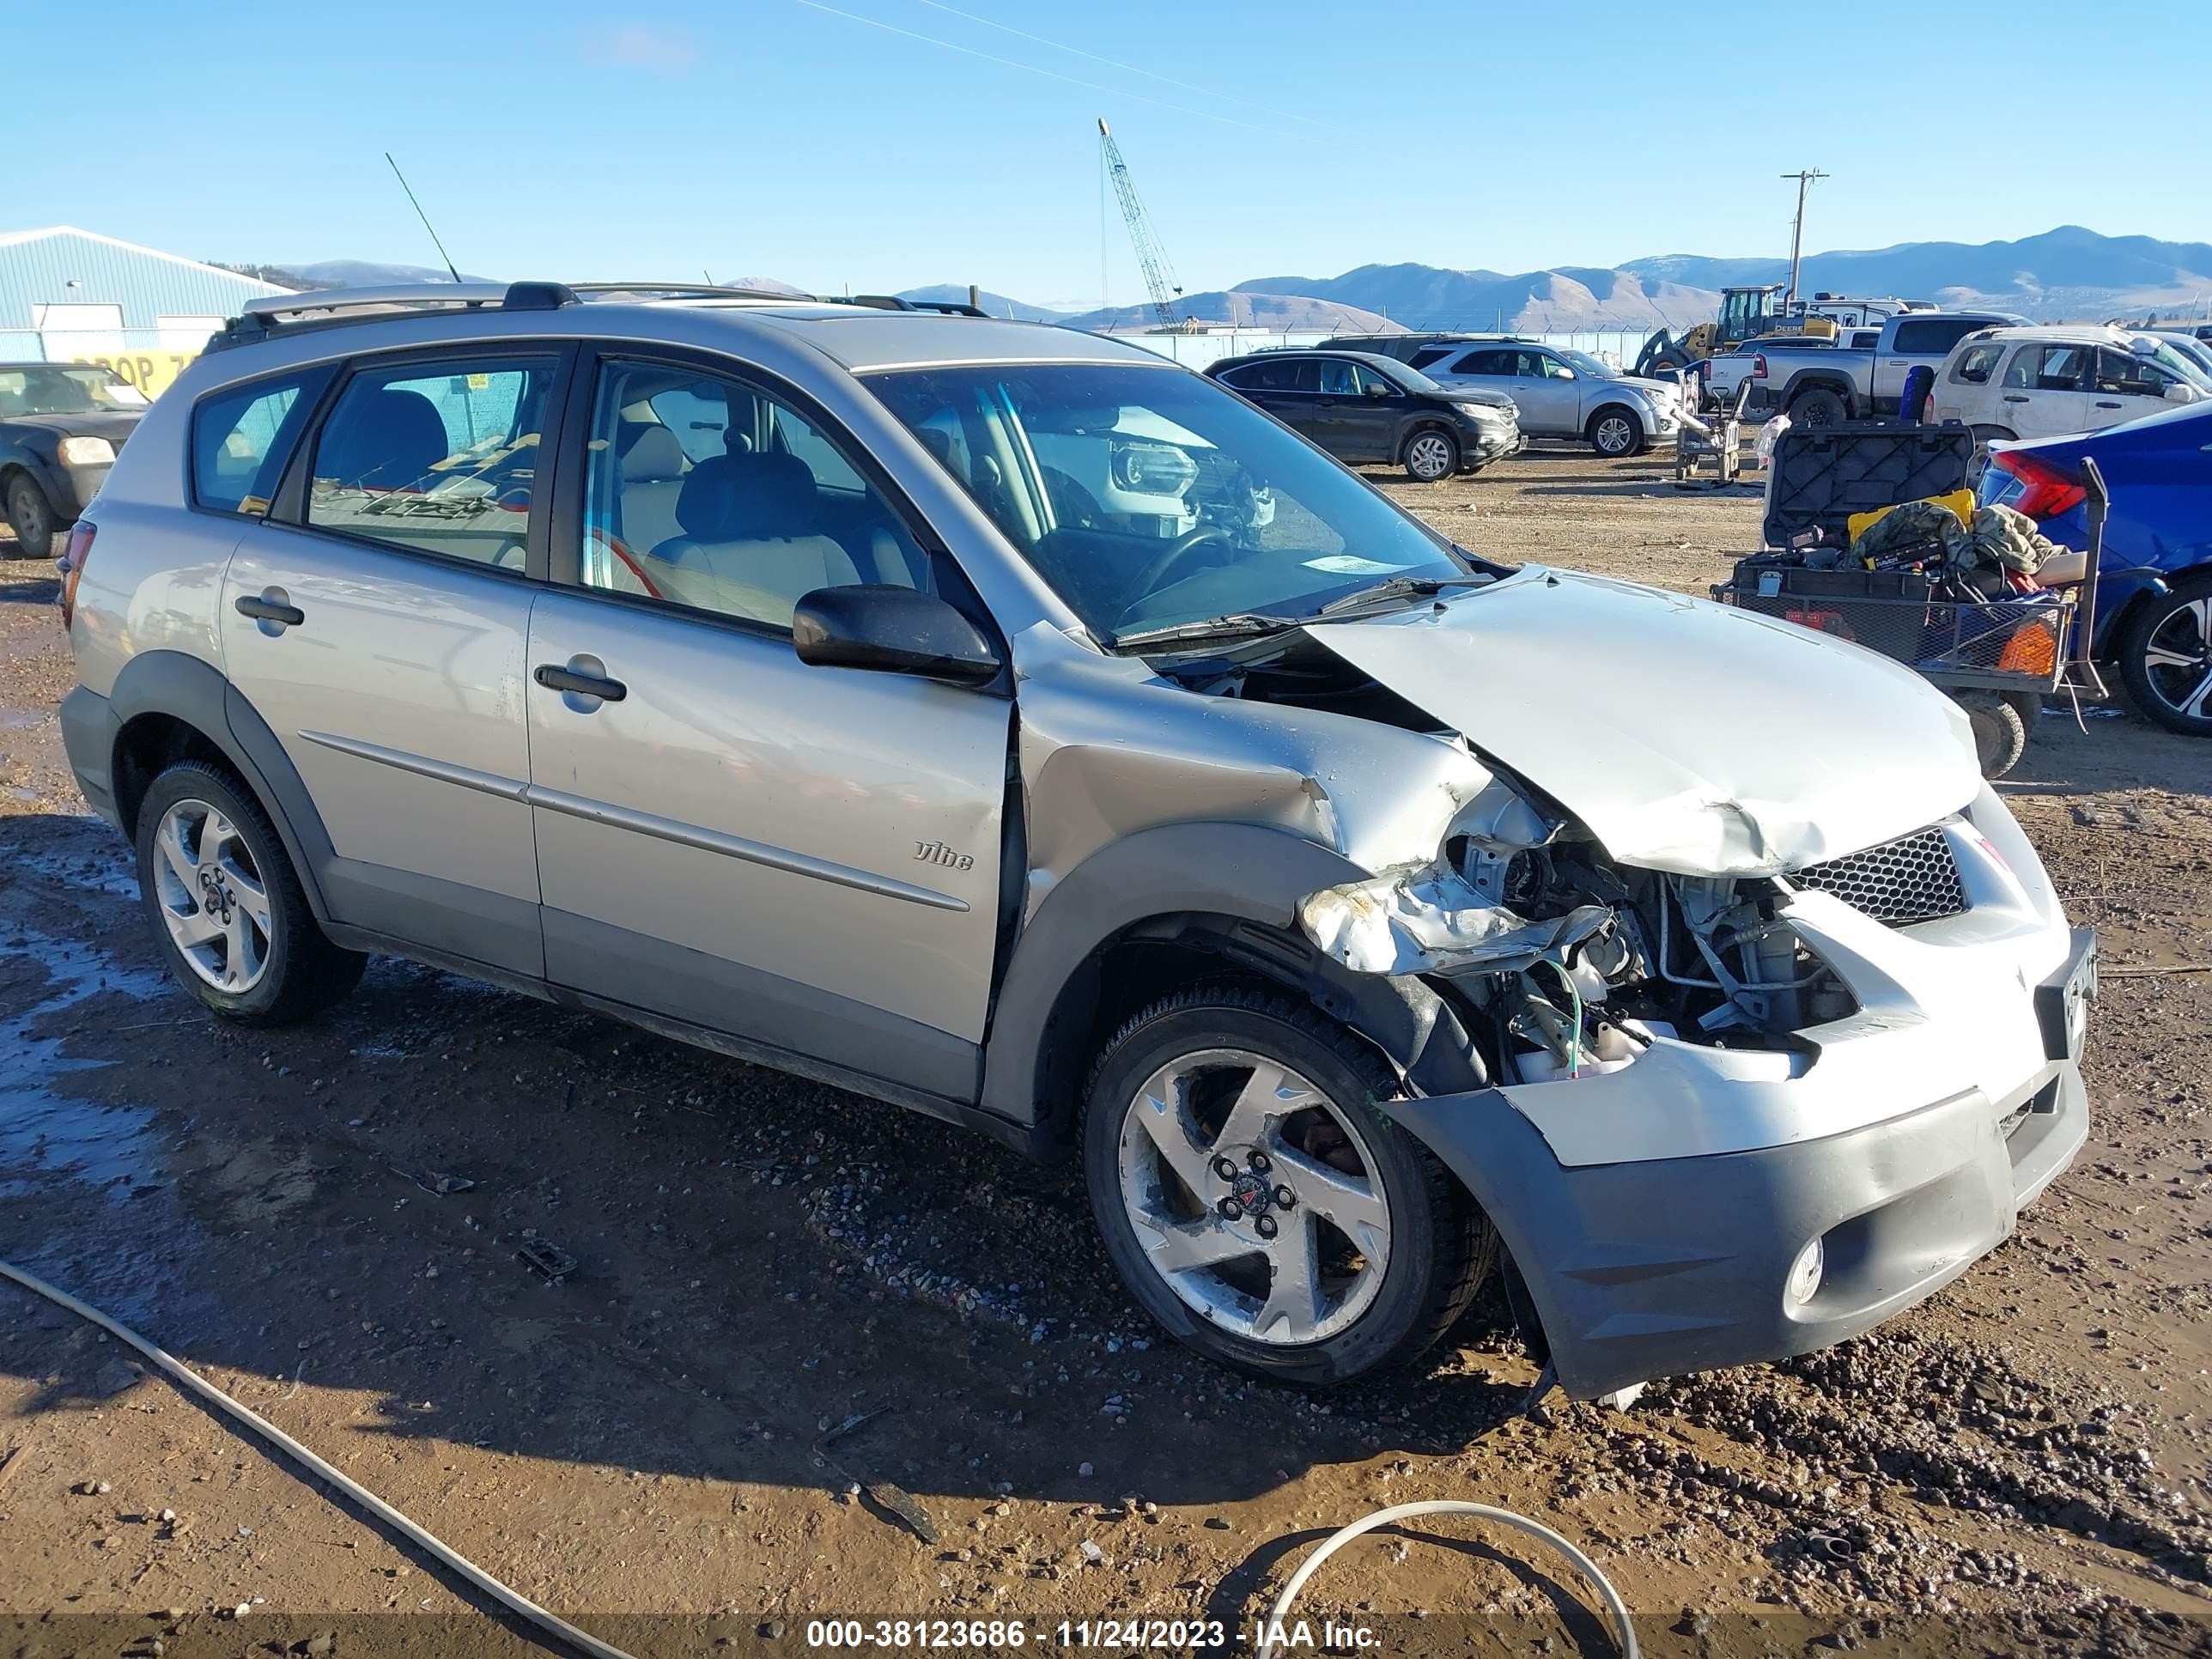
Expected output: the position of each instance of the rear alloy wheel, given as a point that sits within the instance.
(1614, 433)
(31, 516)
(1257, 1203)
(2166, 659)
(1430, 455)
(229, 912)
(1819, 407)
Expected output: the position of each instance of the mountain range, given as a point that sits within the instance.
(2069, 272)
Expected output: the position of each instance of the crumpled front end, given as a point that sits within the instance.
(1737, 1116)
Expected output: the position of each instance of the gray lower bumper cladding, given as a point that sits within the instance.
(1660, 1267)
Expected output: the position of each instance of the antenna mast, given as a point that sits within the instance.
(450, 270)
(1159, 276)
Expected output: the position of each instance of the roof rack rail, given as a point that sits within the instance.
(688, 290)
(899, 302)
(322, 307)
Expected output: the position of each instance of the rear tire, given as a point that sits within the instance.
(2166, 658)
(31, 516)
(2000, 729)
(1614, 432)
(1431, 455)
(1376, 1254)
(1819, 408)
(228, 913)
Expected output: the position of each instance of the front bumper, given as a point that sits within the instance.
(1654, 1269)
(80, 484)
(1485, 444)
(1656, 1211)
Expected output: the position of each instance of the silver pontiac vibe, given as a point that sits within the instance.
(1002, 720)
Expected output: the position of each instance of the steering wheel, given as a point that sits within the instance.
(1178, 550)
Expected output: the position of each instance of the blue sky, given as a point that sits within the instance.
(780, 137)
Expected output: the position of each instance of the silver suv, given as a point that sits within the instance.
(1003, 721)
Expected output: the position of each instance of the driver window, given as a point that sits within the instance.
(2128, 376)
(1338, 378)
(1529, 365)
(702, 493)
(1371, 385)
(1554, 369)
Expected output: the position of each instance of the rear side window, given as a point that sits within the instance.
(2048, 367)
(441, 460)
(1485, 362)
(242, 438)
(1934, 337)
(1976, 364)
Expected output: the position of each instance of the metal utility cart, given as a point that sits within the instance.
(1998, 657)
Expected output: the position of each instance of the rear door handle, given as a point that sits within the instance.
(2015, 397)
(273, 606)
(2102, 403)
(583, 678)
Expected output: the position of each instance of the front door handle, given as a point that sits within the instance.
(2104, 404)
(2015, 397)
(584, 683)
(272, 606)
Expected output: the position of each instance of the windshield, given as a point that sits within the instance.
(1148, 498)
(57, 390)
(2164, 354)
(1582, 363)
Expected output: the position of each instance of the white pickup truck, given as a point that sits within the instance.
(1821, 382)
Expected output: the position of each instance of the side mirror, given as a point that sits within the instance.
(891, 630)
(1377, 389)
(2177, 392)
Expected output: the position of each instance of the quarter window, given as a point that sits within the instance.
(242, 438)
(440, 461)
(743, 526)
(1429, 355)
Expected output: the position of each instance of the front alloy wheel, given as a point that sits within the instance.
(1256, 1199)
(1251, 1198)
(1616, 433)
(1430, 455)
(2167, 660)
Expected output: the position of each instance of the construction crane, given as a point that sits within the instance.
(1159, 276)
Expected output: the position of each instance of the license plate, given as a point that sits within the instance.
(2063, 1004)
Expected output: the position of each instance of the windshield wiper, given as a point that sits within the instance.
(1238, 621)
(1391, 588)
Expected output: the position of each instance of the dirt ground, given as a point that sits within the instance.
(326, 1223)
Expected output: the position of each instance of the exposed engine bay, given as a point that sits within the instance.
(1564, 961)
(1571, 963)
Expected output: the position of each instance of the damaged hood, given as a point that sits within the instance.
(1688, 737)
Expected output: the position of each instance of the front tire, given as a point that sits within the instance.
(2166, 658)
(1430, 454)
(1614, 433)
(1257, 1200)
(229, 913)
(31, 516)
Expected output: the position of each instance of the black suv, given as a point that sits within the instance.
(1363, 409)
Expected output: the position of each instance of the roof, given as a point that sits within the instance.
(858, 337)
(63, 265)
(2085, 333)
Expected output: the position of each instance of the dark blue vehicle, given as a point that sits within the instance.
(2154, 582)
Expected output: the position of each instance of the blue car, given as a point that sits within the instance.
(2154, 582)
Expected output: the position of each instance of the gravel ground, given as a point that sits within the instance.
(327, 1222)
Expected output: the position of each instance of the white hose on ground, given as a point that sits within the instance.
(197, 1386)
(1279, 1615)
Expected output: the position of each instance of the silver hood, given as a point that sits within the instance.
(1688, 737)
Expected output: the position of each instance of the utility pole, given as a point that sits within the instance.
(1797, 228)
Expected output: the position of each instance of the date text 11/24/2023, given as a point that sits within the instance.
(1163, 1635)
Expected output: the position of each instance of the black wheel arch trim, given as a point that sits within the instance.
(1235, 889)
(184, 688)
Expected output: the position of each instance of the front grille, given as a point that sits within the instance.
(1912, 879)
